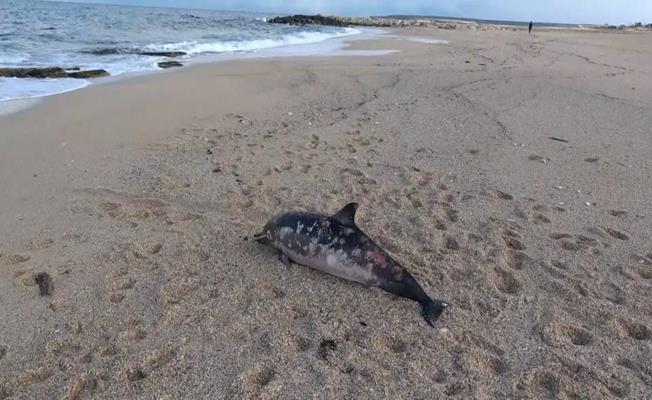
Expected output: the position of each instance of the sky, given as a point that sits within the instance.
(563, 11)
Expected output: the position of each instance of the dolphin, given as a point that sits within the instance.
(335, 245)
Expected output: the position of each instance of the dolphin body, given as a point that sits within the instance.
(335, 245)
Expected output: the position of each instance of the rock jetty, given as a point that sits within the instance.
(385, 22)
(398, 21)
(50, 72)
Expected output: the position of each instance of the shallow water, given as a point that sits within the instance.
(44, 34)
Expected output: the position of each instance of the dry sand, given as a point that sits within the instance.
(138, 199)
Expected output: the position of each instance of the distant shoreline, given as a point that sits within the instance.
(440, 22)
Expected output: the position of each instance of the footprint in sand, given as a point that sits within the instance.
(482, 361)
(134, 373)
(158, 358)
(540, 219)
(395, 344)
(506, 282)
(258, 377)
(558, 333)
(299, 343)
(13, 259)
(116, 297)
(504, 196)
(327, 349)
(617, 234)
(451, 243)
(613, 293)
(536, 157)
(513, 243)
(550, 383)
(133, 333)
(645, 271)
(635, 330)
(518, 260)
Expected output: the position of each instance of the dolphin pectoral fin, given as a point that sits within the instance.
(432, 309)
(346, 216)
(285, 259)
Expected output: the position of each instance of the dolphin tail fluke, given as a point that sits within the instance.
(432, 309)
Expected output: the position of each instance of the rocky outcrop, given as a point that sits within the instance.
(408, 21)
(92, 73)
(310, 20)
(387, 22)
(107, 51)
(50, 72)
(171, 54)
(169, 64)
(54, 72)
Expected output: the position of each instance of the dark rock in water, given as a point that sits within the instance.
(93, 73)
(54, 72)
(73, 69)
(51, 72)
(44, 283)
(171, 54)
(169, 64)
(309, 20)
(104, 51)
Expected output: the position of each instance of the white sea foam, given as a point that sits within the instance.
(14, 106)
(426, 40)
(25, 88)
(195, 47)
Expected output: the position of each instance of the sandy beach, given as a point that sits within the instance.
(511, 174)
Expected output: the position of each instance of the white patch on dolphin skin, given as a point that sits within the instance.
(312, 248)
(335, 262)
(331, 260)
(299, 226)
(284, 231)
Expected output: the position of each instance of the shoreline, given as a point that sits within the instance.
(332, 45)
(128, 269)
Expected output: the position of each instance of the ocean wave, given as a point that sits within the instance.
(197, 47)
(21, 88)
(221, 46)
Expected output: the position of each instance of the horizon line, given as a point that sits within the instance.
(480, 20)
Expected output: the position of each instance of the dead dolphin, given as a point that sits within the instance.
(335, 245)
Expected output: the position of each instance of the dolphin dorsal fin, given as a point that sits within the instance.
(346, 216)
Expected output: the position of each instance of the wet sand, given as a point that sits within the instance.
(510, 174)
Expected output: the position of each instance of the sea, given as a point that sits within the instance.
(92, 36)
